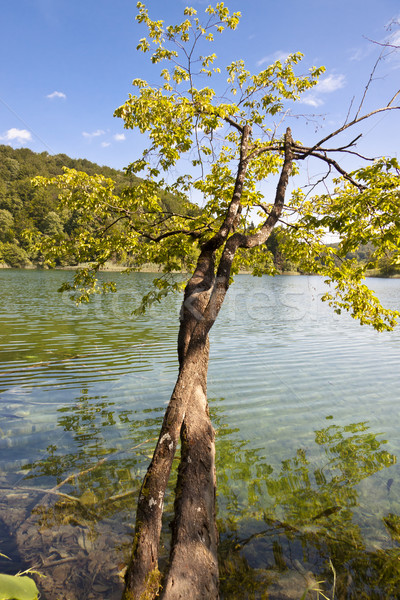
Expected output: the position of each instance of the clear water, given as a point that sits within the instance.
(304, 403)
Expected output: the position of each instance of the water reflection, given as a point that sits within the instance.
(303, 529)
(71, 513)
(104, 453)
(295, 531)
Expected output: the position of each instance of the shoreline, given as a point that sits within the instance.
(150, 268)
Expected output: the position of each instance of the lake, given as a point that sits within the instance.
(304, 403)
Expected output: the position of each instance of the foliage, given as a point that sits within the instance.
(17, 587)
(222, 138)
(6, 225)
(24, 207)
(363, 213)
(13, 255)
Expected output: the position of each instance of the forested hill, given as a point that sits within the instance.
(23, 206)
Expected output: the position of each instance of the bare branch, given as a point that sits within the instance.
(354, 122)
(341, 148)
(349, 111)
(384, 44)
(321, 180)
(394, 98)
(267, 211)
(331, 162)
(378, 60)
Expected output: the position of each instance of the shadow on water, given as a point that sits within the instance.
(304, 529)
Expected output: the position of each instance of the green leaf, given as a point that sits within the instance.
(14, 587)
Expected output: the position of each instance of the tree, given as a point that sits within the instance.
(233, 143)
(6, 225)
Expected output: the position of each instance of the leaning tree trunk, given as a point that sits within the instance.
(186, 416)
(193, 569)
(192, 573)
(193, 561)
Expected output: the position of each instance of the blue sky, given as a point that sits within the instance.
(67, 64)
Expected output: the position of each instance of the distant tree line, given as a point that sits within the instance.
(362, 255)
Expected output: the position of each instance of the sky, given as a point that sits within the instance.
(67, 64)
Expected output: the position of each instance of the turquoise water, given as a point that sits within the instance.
(304, 403)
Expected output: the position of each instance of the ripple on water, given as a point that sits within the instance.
(79, 383)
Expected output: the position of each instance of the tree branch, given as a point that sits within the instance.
(354, 122)
(195, 233)
(234, 124)
(331, 162)
(235, 206)
(368, 84)
(102, 232)
(240, 240)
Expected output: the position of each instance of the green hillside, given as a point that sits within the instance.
(24, 207)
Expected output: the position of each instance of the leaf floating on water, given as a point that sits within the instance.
(13, 587)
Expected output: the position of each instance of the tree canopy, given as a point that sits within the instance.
(232, 141)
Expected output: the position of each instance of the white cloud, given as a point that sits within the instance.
(394, 39)
(358, 54)
(17, 135)
(270, 58)
(311, 100)
(105, 144)
(56, 95)
(119, 137)
(330, 84)
(94, 134)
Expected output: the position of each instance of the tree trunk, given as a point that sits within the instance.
(193, 562)
(192, 573)
(193, 569)
(187, 417)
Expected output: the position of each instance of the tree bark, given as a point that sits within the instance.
(186, 417)
(142, 573)
(193, 569)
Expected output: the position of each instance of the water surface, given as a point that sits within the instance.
(304, 403)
